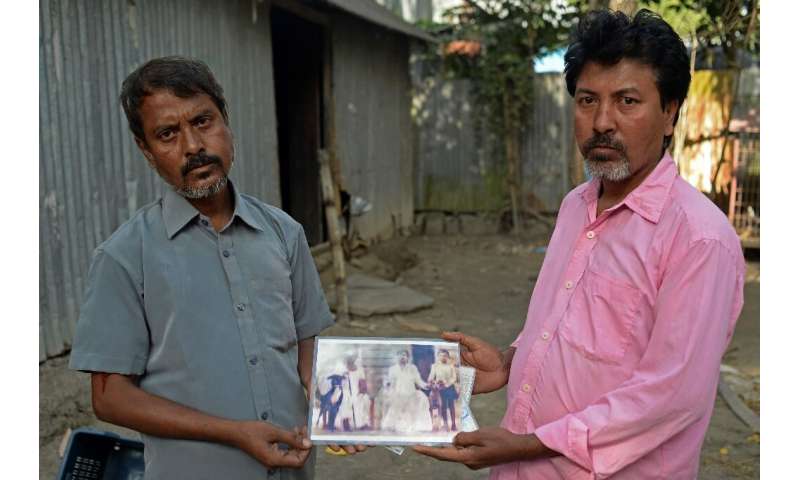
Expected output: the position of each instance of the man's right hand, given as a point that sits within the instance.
(260, 440)
(491, 367)
(118, 399)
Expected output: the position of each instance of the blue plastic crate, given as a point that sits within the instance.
(92, 454)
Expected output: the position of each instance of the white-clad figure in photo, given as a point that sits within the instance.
(407, 406)
(362, 403)
(352, 415)
(342, 388)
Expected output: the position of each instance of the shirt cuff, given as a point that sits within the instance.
(570, 437)
(93, 362)
(308, 331)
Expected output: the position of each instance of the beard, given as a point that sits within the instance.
(196, 193)
(603, 166)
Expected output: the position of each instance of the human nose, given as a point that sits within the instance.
(603, 118)
(192, 142)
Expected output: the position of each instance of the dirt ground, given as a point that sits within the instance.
(481, 285)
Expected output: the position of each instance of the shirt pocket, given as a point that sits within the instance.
(599, 321)
(271, 291)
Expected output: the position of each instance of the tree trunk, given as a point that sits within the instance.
(512, 156)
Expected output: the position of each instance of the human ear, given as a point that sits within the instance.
(670, 111)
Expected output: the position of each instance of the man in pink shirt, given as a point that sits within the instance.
(614, 374)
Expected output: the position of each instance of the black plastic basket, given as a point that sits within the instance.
(92, 454)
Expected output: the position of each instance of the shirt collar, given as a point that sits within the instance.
(649, 198)
(178, 212)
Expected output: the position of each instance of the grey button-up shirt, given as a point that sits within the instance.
(209, 320)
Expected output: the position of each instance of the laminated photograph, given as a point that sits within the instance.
(378, 391)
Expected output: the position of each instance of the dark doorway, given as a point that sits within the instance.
(297, 48)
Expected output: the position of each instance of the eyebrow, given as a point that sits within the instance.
(620, 92)
(585, 90)
(206, 112)
(170, 126)
(626, 91)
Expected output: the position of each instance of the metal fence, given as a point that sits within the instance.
(745, 192)
(455, 169)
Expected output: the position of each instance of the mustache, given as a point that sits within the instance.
(603, 140)
(200, 160)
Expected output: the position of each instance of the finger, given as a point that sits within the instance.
(361, 448)
(292, 439)
(466, 439)
(452, 336)
(333, 447)
(448, 454)
(472, 343)
(350, 449)
(301, 455)
(290, 458)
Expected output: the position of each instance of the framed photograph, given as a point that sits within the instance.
(379, 391)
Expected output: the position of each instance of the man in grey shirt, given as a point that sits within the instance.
(199, 320)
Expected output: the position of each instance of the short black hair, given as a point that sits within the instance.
(606, 37)
(184, 77)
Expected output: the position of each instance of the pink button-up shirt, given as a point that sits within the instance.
(617, 365)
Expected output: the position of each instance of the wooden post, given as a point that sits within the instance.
(329, 112)
(734, 186)
(332, 219)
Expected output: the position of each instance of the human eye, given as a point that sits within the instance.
(166, 134)
(203, 121)
(586, 100)
(629, 101)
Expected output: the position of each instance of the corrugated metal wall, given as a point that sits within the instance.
(91, 176)
(455, 170)
(372, 96)
(548, 145)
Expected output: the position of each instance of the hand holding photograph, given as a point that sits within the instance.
(375, 391)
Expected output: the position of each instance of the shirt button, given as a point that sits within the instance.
(253, 360)
(240, 307)
(226, 253)
(264, 415)
(272, 471)
(590, 234)
(568, 285)
(545, 335)
(204, 222)
(526, 388)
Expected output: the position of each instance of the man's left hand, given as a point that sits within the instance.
(486, 447)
